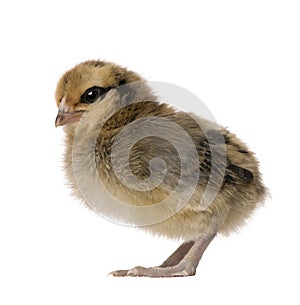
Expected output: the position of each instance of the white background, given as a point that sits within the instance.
(242, 58)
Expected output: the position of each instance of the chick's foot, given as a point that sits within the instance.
(183, 262)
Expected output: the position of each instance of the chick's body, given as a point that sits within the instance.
(237, 196)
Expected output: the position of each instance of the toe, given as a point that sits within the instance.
(136, 271)
(119, 273)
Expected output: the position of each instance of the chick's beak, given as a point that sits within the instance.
(64, 118)
(66, 115)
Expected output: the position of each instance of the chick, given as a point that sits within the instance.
(236, 176)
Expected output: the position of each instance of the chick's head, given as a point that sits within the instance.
(85, 84)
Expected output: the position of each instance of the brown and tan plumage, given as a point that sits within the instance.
(241, 190)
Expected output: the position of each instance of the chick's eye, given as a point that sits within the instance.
(91, 95)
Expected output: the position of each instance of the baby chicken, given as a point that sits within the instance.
(97, 102)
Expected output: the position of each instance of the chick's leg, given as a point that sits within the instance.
(178, 255)
(183, 262)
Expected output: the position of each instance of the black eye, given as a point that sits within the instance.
(92, 94)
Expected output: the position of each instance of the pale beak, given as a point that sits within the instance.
(66, 115)
(64, 118)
